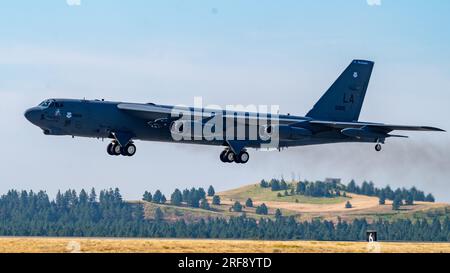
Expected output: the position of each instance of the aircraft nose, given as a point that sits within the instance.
(32, 115)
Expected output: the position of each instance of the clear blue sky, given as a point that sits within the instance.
(230, 52)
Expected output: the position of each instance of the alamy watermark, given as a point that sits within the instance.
(259, 123)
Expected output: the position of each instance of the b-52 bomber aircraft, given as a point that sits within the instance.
(333, 119)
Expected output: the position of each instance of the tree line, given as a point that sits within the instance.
(306, 188)
(108, 215)
(322, 189)
(197, 198)
(194, 198)
(368, 188)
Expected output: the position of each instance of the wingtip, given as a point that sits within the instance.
(435, 129)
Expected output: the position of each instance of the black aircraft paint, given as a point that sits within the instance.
(333, 119)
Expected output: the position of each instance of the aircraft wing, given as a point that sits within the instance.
(146, 111)
(376, 126)
(154, 112)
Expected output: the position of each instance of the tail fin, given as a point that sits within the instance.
(344, 99)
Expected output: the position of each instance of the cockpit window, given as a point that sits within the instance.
(47, 103)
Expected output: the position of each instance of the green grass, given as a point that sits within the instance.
(194, 214)
(256, 193)
(176, 213)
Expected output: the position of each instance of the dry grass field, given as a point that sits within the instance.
(97, 245)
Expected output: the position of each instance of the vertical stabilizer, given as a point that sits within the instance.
(344, 99)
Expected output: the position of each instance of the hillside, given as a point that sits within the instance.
(300, 206)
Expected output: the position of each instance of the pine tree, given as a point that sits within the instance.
(211, 191)
(249, 203)
(264, 184)
(409, 199)
(159, 215)
(301, 188)
(262, 209)
(216, 200)
(201, 193)
(397, 203)
(176, 198)
(157, 197)
(92, 196)
(204, 204)
(163, 199)
(351, 187)
(237, 207)
(186, 195)
(275, 185)
(382, 200)
(147, 196)
(83, 197)
(194, 198)
(278, 214)
(348, 205)
(430, 198)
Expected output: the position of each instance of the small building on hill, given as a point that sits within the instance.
(334, 181)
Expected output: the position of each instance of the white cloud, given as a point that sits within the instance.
(73, 2)
(374, 2)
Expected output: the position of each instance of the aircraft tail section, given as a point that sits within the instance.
(344, 99)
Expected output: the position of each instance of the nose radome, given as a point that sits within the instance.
(27, 114)
(31, 114)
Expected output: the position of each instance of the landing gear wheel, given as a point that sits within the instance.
(237, 160)
(378, 148)
(230, 156)
(109, 149)
(243, 157)
(129, 150)
(117, 150)
(223, 156)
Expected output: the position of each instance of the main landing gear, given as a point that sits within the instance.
(115, 149)
(228, 156)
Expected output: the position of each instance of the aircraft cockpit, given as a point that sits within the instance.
(51, 104)
(47, 103)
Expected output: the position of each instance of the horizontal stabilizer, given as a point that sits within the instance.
(375, 126)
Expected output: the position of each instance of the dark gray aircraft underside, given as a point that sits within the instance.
(333, 119)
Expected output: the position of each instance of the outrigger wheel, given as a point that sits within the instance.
(378, 147)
